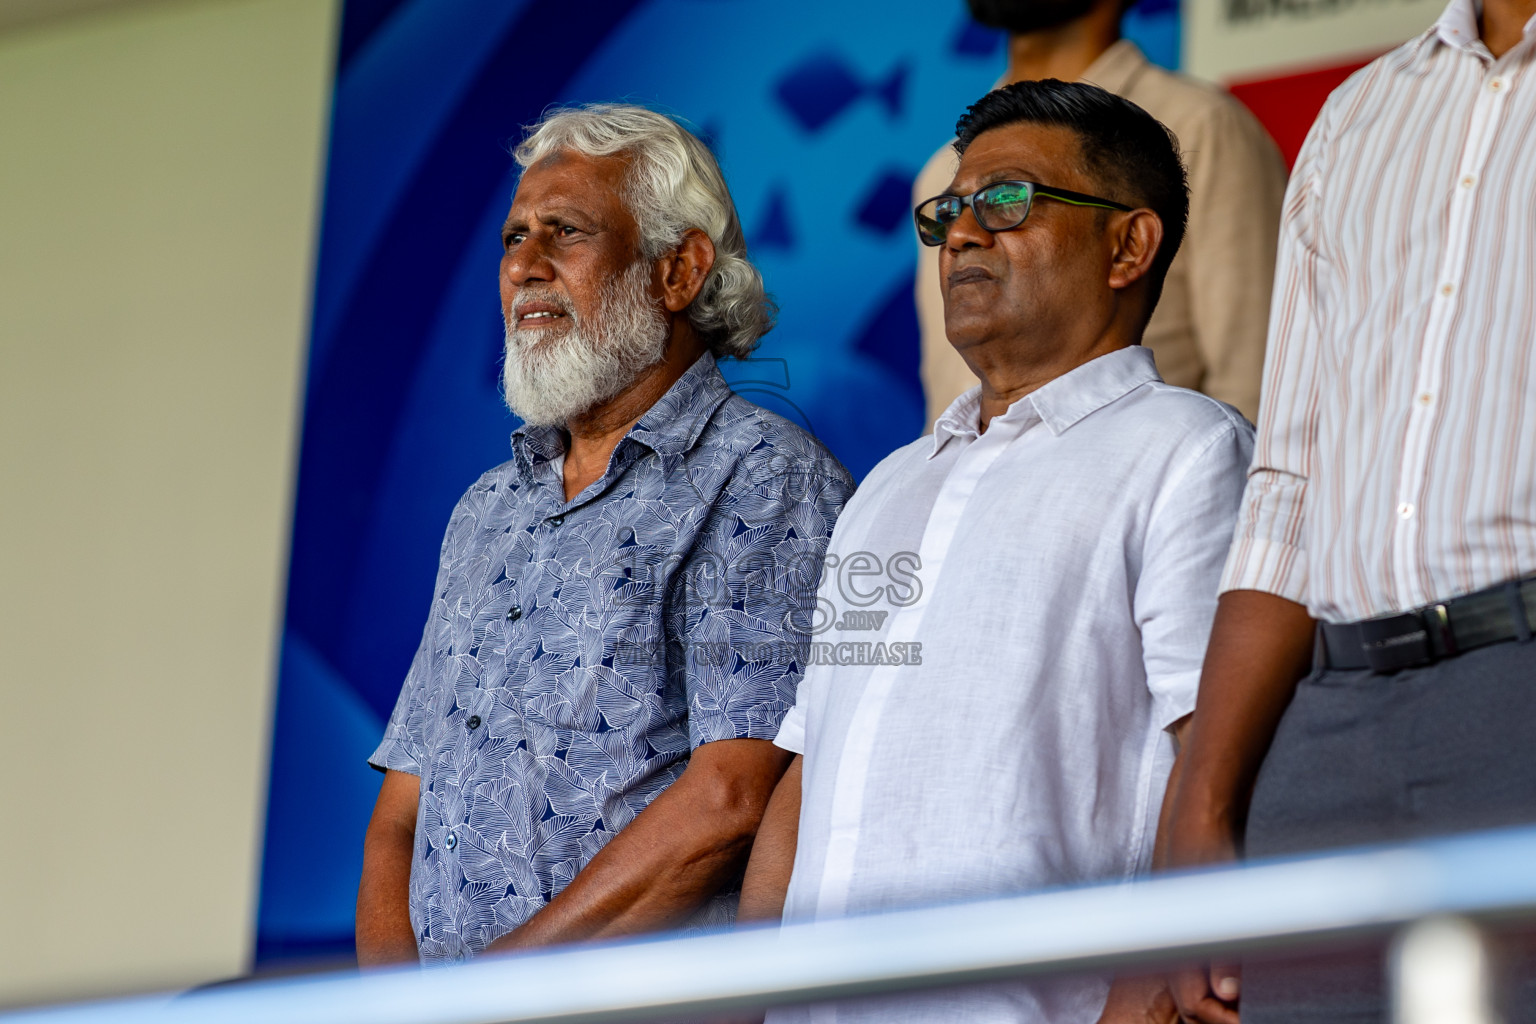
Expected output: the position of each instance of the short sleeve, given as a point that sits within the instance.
(402, 748)
(791, 734)
(1187, 538)
(749, 592)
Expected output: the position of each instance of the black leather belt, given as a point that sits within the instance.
(1433, 633)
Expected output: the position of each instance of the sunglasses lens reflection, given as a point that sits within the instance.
(998, 208)
(1002, 207)
(934, 218)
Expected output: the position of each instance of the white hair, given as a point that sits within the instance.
(673, 185)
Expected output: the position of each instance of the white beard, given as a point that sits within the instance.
(552, 377)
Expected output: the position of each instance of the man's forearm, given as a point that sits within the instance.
(384, 934)
(686, 846)
(1260, 646)
(1180, 733)
(773, 852)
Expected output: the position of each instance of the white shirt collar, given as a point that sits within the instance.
(1457, 28)
(1457, 24)
(1058, 404)
(962, 419)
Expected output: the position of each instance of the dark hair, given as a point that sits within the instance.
(1130, 155)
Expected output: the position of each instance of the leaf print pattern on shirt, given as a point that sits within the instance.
(576, 652)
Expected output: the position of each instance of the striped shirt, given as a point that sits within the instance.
(1396, 456)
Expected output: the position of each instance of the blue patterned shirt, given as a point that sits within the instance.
(577, 651)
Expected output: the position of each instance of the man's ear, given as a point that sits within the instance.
(1136, 242)
(683, 271)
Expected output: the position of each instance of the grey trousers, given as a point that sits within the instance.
(1362, 758)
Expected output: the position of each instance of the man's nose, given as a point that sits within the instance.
(966, 231)
(527, 263)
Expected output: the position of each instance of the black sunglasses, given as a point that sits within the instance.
(998, 207)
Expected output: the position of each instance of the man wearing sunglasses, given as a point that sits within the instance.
(1015, 609)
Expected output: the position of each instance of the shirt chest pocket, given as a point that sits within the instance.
(594, 682)
(565, 700)
(591, 647)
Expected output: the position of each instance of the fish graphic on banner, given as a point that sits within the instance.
(822, 86)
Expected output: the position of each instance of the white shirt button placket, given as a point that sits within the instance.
(1487, 110)
(843, 828)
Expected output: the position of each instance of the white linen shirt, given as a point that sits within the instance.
(1058, 574)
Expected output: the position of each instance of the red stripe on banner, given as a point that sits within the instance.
(1288, 105)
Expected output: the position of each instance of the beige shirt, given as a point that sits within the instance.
(1208, 330)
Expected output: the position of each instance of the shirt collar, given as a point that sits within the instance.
(1457, 25)
(671, 426)
(962, 419)
(1117, 68)
(1456, 28)
(1061, 403)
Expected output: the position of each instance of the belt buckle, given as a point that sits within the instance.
(1396, 642)
(1437, 618)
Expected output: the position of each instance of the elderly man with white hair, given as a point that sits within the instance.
(582, 747)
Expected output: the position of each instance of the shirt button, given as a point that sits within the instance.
(1496, 85)
(514, 613)
(1426, 398)
(472, 722)
(1468, 181)
(1447, 289)
(451, 841)
(556, 520)
(1405, 511)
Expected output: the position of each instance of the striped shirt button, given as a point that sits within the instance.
(1405, 511)
(1496, 85)
(1468, 181)
(1447, 289)
(1426, 398)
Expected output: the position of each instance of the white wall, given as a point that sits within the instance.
(159, 179)
(1272, 40)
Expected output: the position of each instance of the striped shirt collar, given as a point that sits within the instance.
(1457, 28)
(1457, 25)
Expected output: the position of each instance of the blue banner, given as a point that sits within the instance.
(821, 114)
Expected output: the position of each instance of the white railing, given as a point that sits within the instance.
(1431, 894)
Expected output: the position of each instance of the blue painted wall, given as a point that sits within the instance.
(821, 113)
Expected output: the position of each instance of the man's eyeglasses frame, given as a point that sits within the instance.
(939, 232)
